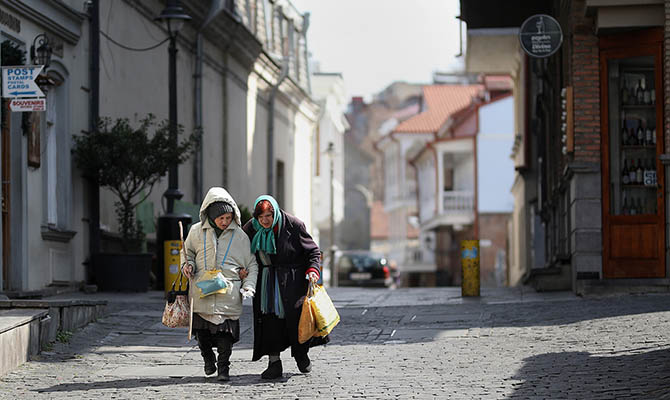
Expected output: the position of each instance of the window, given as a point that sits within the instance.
(56, 153)
(448, 172)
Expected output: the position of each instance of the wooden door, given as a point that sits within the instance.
(632, 176)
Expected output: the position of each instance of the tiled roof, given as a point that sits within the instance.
(441, 102)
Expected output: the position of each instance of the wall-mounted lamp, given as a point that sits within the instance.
(40, 51)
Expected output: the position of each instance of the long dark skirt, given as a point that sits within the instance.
(227, 327)
(274, 335)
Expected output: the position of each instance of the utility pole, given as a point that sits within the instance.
(333, 266)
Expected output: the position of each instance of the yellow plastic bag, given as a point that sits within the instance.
(210, 280)
(324, 312)
(306, 325)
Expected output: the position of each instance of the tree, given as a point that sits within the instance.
(129, 162)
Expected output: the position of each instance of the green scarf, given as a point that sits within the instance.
(264, 239)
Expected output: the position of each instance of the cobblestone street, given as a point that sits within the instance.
(407, 343)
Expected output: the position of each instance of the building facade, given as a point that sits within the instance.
(242, 79)
(591, 141)
(328, 91)
(436, 164)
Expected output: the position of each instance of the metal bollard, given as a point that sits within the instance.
(470, 267)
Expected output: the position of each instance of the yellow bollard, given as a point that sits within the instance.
(171, 250)
(470, 267)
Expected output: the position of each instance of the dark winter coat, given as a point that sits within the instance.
(296, 253)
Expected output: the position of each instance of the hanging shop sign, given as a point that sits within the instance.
(540, 35)
(19, 81)
(28, 105)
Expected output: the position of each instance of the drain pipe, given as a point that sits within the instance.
(216, 6)
(271, 123)
(283, 74)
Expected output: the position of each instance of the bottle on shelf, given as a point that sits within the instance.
(653, 137)
(633, 93)
(631, 207)
(638, 172)
(625, 178)
(639, 136)
(631, 172)
(639, 92)
(646, 93)
(624, 92)
(640, 206)
(647, 137)
(653, 96)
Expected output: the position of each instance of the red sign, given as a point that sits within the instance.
(18, 105)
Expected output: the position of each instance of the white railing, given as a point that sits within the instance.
(458, 201)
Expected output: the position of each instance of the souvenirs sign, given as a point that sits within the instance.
(540, 35)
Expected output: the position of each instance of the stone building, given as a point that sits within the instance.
(242, 77)
(591, 139)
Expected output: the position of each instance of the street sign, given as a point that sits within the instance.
(19, 81)
(540, 35)
(28, 105)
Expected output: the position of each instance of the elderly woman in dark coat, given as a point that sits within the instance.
(287, 258)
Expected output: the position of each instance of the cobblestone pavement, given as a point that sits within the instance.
(408, 343)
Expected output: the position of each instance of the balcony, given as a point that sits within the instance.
(458, 209)
(458, 202)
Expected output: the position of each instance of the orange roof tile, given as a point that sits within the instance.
(441, 102)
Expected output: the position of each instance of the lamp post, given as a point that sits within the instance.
(330, 151)
(40, 50)
(167, 234)
(174, 17)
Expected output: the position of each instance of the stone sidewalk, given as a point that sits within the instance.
(407, 343)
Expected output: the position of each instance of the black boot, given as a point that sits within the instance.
(273, 371)
(304, 364)
(224, 346)
(205, 344)
(210, 367)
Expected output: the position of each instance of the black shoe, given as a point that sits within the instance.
(223, 374)
(273, 371)
(304, 364)
(210, 367)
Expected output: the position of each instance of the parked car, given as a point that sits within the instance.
(362, 268)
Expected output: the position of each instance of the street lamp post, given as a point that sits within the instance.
(168, 233)
(174, 17)
(333, 266)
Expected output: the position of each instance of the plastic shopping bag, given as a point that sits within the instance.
(212, 282)
(323, 310)
(306, 325)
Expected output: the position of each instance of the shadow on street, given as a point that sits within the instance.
(237, 380)
(644, 375)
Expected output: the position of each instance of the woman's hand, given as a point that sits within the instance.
(187, 269)
(243, 273)
(312, 277)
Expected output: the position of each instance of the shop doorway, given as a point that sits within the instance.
(632, 139)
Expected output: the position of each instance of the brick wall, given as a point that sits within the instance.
(585, 80)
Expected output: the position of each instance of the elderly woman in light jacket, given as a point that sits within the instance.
(218, 243)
